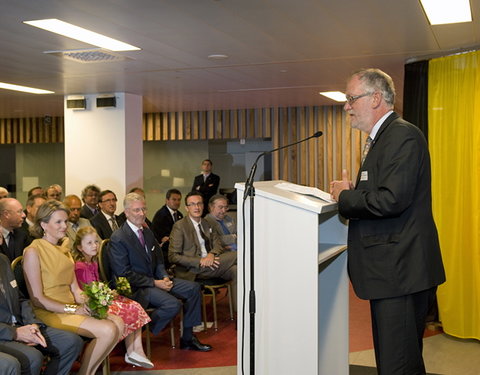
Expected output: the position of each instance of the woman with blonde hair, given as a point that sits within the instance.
(84, 251)
(49, 271)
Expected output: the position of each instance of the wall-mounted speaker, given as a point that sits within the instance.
(80, 103)
(106, 101)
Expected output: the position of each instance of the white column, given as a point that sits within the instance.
(103, 146)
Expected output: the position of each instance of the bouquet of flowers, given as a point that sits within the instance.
(123, 286)
(98, 298)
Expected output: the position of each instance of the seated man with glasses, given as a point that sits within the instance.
(197, 250)
(106, 222)
(222, 224)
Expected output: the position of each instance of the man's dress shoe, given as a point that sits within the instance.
(194, 344)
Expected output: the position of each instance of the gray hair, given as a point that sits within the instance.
(377, 80)
(132, 197)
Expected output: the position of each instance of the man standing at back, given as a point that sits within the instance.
(394, 256)
(206, 183)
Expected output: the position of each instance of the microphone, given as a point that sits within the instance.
(249, 182)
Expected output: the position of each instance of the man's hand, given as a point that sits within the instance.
(336, 187)
(30, 335)
(210, 261)
(165, 284)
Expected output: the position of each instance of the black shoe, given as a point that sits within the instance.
(194, 344)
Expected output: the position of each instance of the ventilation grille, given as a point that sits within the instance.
(87, 56)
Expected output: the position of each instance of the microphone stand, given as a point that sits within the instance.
(250, 192)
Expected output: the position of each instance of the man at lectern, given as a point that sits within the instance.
(394, 256)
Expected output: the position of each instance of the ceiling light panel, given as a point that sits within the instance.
(78, 33)
(441, 12)
(31, 90)
(335, 95)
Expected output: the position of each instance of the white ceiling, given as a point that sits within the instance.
(281, 52)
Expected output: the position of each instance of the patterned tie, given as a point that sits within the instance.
(205, 239)
(175, 216)
(366, 148)
(114, 224)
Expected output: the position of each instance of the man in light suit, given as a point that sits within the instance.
(75, 222)
(106, 222)
(223, 225)
(197, 251)
(394, 256)
(135, 254)
(164, 219)
(206, 183)
(15, 239)
(25, 340)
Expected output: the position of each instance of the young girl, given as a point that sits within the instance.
(84, 252)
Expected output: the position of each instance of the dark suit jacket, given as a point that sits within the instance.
(162, 223)
(128, 258)
(22, 240)
(185, 250)
(12, 303)
(207, 188)
(86, 212)
(101, 224)
(393, 246)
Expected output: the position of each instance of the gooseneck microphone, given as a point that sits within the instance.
(249, 182)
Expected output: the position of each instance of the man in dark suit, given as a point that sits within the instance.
(394, 256)
(135, 254)
(206, 183)
(164, 219)
(25, 340)
(90, 200)
(15, 239)
(106, 222)
(197, 251)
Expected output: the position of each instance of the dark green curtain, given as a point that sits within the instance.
(415, 95)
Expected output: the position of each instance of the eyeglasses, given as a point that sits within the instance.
(353, 99)
(198, 204)
(112, 200)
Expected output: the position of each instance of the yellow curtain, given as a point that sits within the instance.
(454, 141)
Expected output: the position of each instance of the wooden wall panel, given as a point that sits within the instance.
(314, 162)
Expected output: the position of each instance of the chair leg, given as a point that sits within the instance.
(106, 366)
(204, 311)
(147, 340)
(230, 300)
(214, 303)
(172, 334)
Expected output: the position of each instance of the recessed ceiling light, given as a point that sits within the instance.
(335, 95)
(78, 33)
(218, 57)
(32, 90)
(441, 12)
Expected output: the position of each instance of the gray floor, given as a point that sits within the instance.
(443, 355)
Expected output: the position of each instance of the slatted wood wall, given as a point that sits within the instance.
(313, 163)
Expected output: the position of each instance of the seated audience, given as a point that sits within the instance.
(3, 192)
(33, 202)
(206, 183)
(106, 222)
(37, 190)
(75, 222)
(15, 239)
(164, 219)
(54, 192)
(197, 251)
(90, 199)
(58, 301)
(135, 254)
(25, 342)
(222, 224)
(84, 252)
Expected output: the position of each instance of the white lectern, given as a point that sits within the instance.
(301, 284)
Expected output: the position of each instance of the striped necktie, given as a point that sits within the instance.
(366, 148)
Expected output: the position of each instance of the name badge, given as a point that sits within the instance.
(364, 176)
(13, 283)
